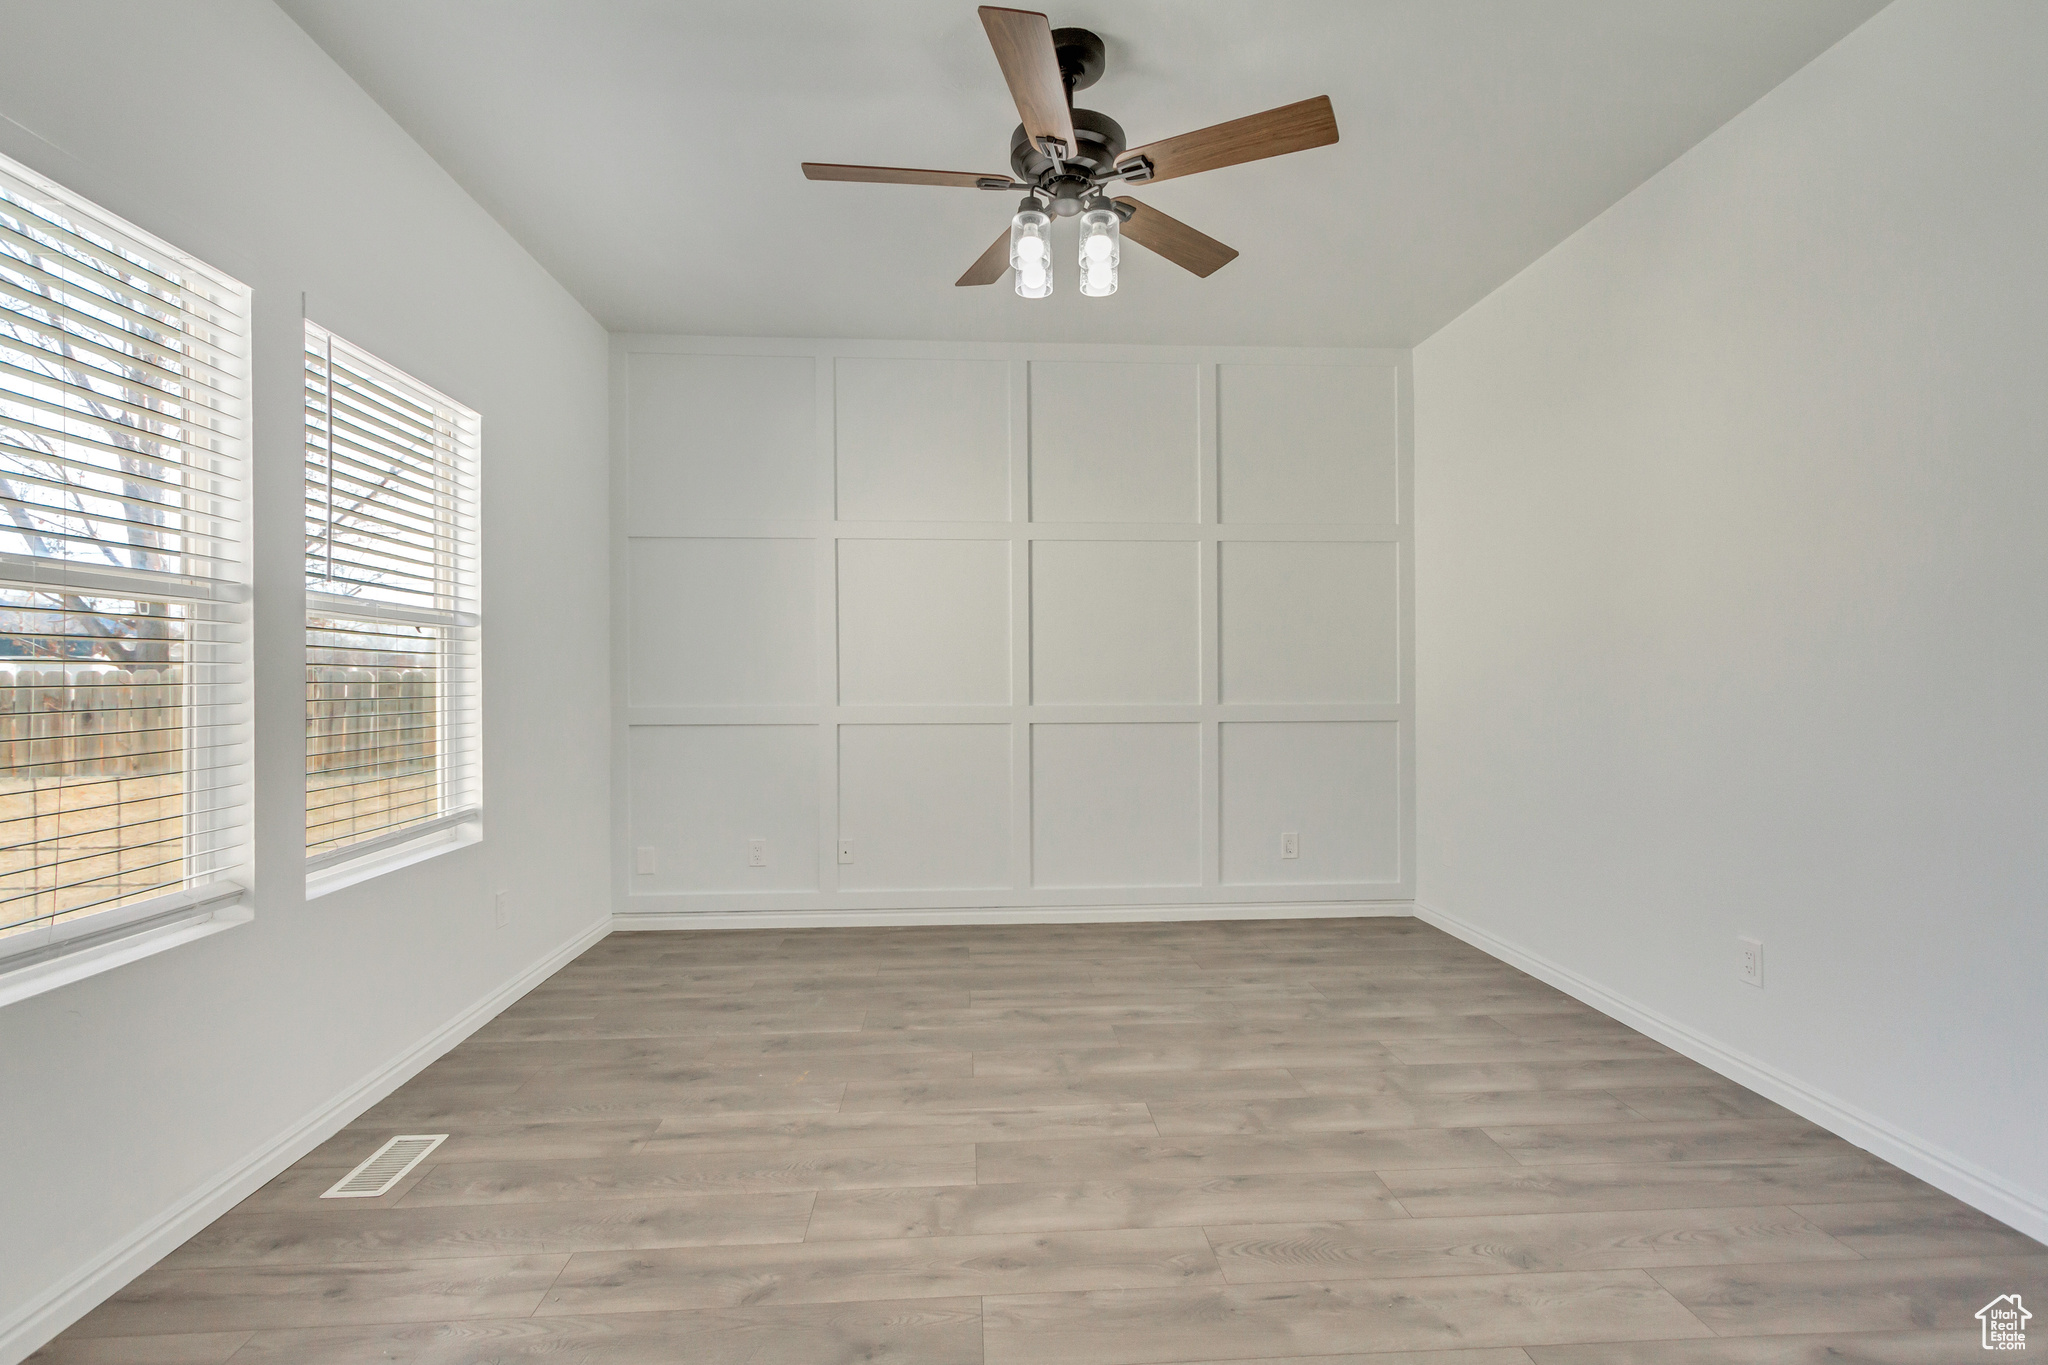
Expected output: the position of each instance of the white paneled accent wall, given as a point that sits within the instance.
(916, 628)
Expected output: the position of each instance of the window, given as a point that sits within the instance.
(392, 704)
(123, 714)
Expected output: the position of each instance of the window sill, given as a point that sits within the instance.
(184, 917)
(431, 844)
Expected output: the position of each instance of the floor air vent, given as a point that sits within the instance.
(386, 1166)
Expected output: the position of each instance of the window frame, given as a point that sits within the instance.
(456, 613)
(106, 287)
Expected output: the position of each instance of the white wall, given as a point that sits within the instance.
(1045, 629)
(1733, 599)
(135, 1104)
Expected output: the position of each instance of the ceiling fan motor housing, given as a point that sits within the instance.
(1101, 141)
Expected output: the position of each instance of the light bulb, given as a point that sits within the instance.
(1031, 249)
(1099, 237)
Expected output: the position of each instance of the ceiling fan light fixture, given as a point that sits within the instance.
(1100, 248)
(1031, 249)
(1065, 159)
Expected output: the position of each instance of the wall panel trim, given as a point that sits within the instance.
(685, 920)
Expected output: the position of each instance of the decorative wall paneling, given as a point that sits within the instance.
(1031, 626)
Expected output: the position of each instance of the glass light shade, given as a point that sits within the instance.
(1100, 238)
(1100, 249)
(1031, 252)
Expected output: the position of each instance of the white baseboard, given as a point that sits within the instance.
(1030, 914)
(31, 1327)
(1943, 1169)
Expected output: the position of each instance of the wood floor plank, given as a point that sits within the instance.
(1326, 1318)
(1504, 1244)
(1686, 1140)
(1933, 1226)
(1424, 1051)
(1211, 1158)
(1726, 1101)
(620, 1102)
(1853, 1296)
(199, 1348)
(243, 1298)
(1645, 1185)
(1349, 1113)
(1243, 1033)
(1485, 1355)
(1017, 1092)
(759, 1132)
(1834, 1348)
(338, 1233)
(539, 1182)
(1586, 1024)
(1126, 1057)
(921, 1332)
(958, 1210)
(835, 1272)
(1052, 1016)
(1605, 1074)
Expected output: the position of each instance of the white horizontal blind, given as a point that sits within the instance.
(124, 718)
(392, 692)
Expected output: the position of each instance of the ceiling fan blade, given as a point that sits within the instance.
(1290, 128)
(1022, 39)
(898, 175)
(993, 263)
(1176, 241)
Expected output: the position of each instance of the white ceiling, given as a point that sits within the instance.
(647, 152)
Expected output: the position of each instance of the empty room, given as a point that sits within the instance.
(766, 682)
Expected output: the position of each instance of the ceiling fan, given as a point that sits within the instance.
(1065, 159)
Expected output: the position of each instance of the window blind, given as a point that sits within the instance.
(392, 626)
(124, 720)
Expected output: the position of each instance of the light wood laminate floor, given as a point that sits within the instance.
(1334, 1142)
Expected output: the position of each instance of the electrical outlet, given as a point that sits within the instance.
(501, 908)
(846, 850)
(1749, 960)
(643, 862)
(1290, 845)
(757, 853)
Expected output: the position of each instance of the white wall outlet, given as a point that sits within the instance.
(1290, 845)
(1749, 960)
(846, 850)
(643, 862)
(501, 908)
(757, 853)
